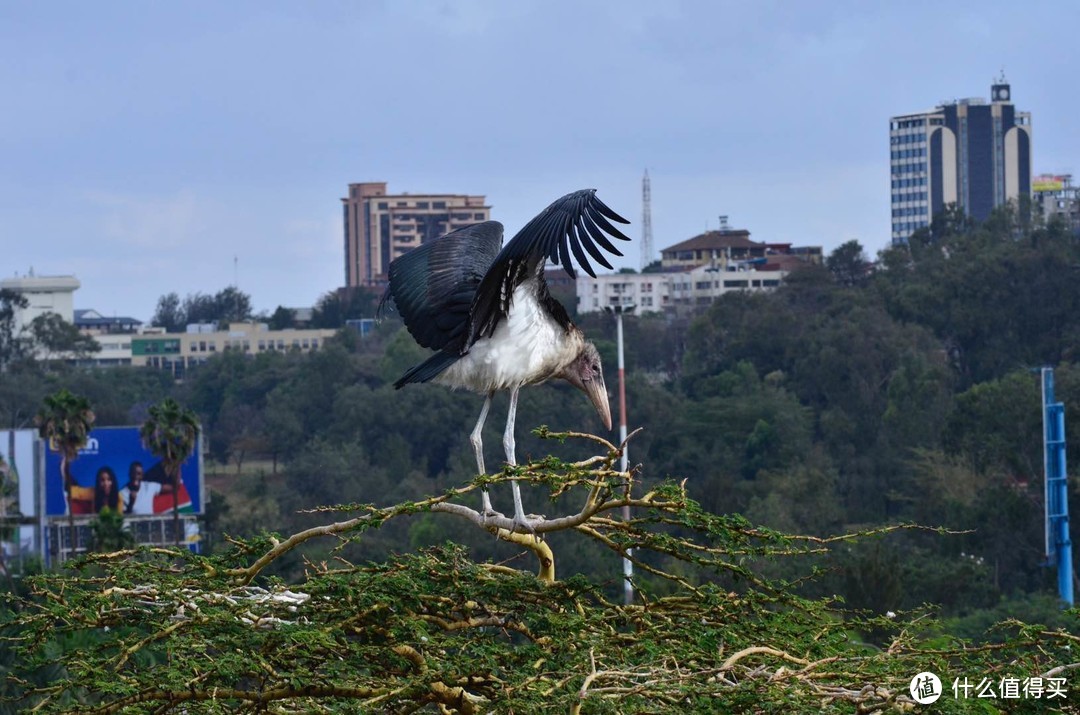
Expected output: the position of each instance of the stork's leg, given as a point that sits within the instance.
(520, 522)
(478, 448)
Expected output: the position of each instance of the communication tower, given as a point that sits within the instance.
(646, 222)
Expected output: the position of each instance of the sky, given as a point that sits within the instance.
(153, 147)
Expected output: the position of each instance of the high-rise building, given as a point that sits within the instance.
(965, 152)
(379, 227)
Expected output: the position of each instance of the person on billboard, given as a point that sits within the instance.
(106, 491)
(138, 495)
(81, 499)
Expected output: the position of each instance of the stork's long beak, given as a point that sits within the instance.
(597, 392)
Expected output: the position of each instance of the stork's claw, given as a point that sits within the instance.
(488, 516)
(526, 524)
(522, 525)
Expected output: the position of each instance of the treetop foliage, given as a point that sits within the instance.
(228, 305)
(154, 630)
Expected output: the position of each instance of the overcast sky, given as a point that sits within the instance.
(150, 147)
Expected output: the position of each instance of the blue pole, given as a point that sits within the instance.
(1058, 542)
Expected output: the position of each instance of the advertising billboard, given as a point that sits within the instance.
(116, 470)
(1049, 182)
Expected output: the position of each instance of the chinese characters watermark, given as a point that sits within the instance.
(926, 688)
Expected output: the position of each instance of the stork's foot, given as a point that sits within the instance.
(526, 524)
(489, 517)
(487, 512)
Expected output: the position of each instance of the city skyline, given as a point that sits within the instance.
(154, 148)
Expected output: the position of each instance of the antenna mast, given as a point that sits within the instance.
(646, 222)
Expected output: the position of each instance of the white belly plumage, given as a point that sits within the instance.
(528, 347)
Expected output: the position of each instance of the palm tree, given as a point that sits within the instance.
(65, 421)
(170, 433)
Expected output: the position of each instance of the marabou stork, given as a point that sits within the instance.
(486, 309)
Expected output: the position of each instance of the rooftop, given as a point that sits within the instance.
(716, 240)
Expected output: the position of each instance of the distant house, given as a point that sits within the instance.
(92, 322)
(695, 272)
(718, 248)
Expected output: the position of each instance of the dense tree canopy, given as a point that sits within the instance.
(437, 631)
(12, 343)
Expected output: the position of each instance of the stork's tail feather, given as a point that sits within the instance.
(428, 369)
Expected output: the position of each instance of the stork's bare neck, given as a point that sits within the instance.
(527, 348)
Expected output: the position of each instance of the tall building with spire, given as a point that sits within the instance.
(967, 152)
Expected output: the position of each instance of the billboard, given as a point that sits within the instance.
(1049, 182)
(116, 470)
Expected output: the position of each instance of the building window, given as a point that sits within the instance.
(383, 206)
(478, 217)
(438, 205)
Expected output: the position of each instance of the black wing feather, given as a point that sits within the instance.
(587, 242)
(434, 285)
(598, 236)
(605, 225)
(556, 233)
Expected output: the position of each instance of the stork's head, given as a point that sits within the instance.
(586, 374)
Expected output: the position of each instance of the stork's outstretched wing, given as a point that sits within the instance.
(573, 225)
(434, 285)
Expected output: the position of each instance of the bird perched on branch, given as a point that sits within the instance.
(485, 308)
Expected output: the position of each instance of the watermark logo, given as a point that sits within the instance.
(925, 688)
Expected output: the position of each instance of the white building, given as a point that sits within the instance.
(46, 294)
(648, 292)
(699, 287)
(680, 291)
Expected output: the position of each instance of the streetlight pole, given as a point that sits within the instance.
(628, 566)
